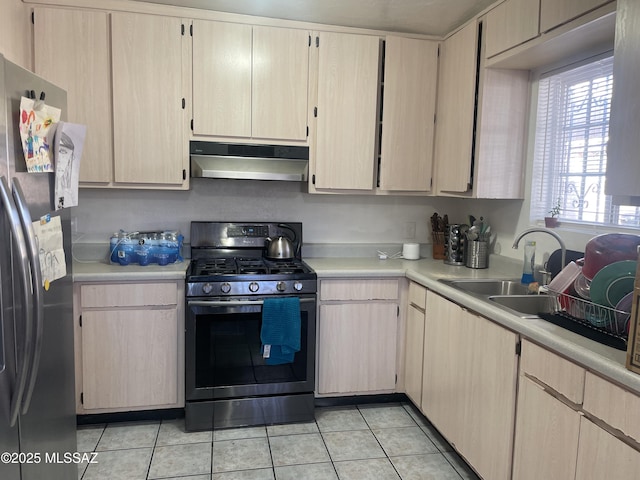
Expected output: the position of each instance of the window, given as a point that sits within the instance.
(570, 160)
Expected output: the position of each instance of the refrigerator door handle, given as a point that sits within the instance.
(37, 291)
(25, 279)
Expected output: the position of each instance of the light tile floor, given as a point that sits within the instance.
(382, 441)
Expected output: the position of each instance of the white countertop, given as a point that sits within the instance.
(606, 361)
(594, 356)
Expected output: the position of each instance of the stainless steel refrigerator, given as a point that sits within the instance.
(37, 405)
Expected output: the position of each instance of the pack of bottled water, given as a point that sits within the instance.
(143, 248)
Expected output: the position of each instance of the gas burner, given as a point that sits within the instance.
(228, 259)
(251, 266)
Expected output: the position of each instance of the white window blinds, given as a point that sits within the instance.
(572, 130)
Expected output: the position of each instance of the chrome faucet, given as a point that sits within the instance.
(563, 248)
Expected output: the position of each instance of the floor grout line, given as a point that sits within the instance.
(450, 457)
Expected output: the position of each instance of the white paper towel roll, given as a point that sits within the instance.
(411, 251)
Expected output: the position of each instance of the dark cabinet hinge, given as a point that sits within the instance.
(518, 347)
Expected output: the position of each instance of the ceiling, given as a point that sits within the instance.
(432, 17)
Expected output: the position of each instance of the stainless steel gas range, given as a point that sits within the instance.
(229, 379)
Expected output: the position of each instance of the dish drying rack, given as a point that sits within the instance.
(597, 322)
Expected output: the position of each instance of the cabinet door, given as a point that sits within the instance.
(601, 455)
(446, 360)
(410, 77)
(348, 72)
(221, 79)
(557, 12)
(623, 168)
(469, 384)
(489, 396)
(511, 23)
(357, 347)
(414, 348)
(546, 439)
(279, 84)
(456, 104)
(129, 358)
(71, 49)
(149, 142)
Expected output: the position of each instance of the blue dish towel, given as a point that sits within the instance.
(280, 329)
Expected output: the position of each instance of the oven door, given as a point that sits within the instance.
(223, 351)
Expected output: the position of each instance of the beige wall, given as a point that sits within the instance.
(15, 32)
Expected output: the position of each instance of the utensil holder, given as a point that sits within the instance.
(454, 244)
(438, 245)
(476, 254)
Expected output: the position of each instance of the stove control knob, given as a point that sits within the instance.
(297, 286)
(254, 286)
(225, 287)
(207, 288)
(281, 286)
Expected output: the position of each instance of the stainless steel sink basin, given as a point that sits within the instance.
(488, 287)
(526, 305)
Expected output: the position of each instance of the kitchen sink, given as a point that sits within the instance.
(526, 305)
(489, 287)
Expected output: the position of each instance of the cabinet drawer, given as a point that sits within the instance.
(613, 405)
(417, 295)
(349, 289)
(128, 294)
(561, 375)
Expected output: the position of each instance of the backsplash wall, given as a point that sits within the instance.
(351, 219)
(326, 218)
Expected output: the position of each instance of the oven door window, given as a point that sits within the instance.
(228, 351)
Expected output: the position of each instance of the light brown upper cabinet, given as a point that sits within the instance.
(79, 62)
(456, 104)
(511, 23)
(410, 79)
(124, 77)
(556, 12)
(514, 22)
(148, 119)
(623, 167)
(346, 106)
(250, 81)
(480, 121)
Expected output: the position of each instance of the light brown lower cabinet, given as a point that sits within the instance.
(357, 336)
(129, 346)
(601, 455)
(414, 342)
(547, 431)
(469, 384)
(572, 424)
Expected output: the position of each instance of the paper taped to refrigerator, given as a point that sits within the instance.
(37, 126)
(53, 263)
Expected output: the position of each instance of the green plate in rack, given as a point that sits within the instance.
(613, 282)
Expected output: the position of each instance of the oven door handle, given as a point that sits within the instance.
(232, 303)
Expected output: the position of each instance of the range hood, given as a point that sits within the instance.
(248, 161)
